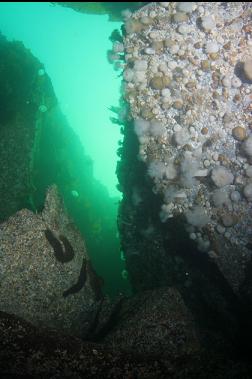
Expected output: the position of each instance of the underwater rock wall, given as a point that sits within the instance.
(25, 93)
(188, 83)
(185, 219)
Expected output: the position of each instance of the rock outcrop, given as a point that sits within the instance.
(26, 92)
(46, 275)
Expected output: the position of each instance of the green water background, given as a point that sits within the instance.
(72, 47)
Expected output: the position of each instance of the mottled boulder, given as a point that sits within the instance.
(46, 276)
(156, 322)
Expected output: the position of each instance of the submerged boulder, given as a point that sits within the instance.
(155, 322)
(46, 276)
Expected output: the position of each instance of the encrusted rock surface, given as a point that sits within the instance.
(155, 321)
(33, 280)
(185, 169)
(190, 103)
(27, 351)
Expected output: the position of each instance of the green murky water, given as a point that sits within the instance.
(72, 48)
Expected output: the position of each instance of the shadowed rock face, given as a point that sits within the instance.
(113, 10)
(35, 284)
(27, 351)
(155, 321)
(22, 91)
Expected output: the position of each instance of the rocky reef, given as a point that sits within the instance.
(34, 353)
(184, 220)
(188, 87)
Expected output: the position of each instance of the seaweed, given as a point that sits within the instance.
(62, 255)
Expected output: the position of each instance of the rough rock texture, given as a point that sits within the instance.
(206, 312)
(155, 322)
(191, 230)
(201, 54)
(22, 91)
(196, 111)
(26, 351)
(34, 281)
